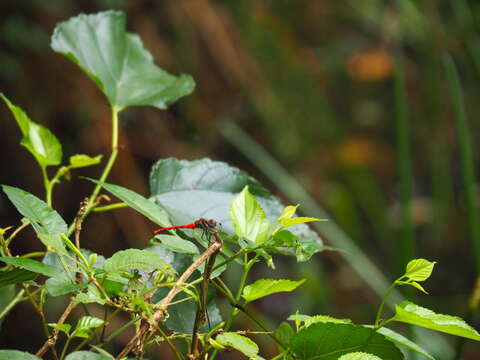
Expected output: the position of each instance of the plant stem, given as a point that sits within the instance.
(65, 347)
(235, 310)
(407, 240)
(15, 233)
(466, 155)
(110, 207)
(382, 304)
(106, 171)
(166, 302)
(12, 303)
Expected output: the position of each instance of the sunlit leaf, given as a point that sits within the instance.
(117, 61)
(359, 356)
(403, 341)
(411, 313)
(265, 287)
(419, 269)
(248, 218)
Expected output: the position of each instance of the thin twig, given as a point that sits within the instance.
(51, 341)
(158, 315)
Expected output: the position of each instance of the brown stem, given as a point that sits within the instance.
(202, 311)
(52, 340)
(157, 316)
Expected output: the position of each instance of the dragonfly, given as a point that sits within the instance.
(209, 227)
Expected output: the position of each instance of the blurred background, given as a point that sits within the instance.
(347, 106)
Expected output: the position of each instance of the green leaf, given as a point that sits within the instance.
(136, 201)
(403, 341)
(414, 284)
(86, 355)
(288, 212)
(411, 313)
(325, 319)
(62, 284)
(328, 341)
(130, 259)
(359, 356)
(16, 276)
(117, 61)
(240, 343)
(92, 295)
(248, 218)
(284, 333)
(298, 220)
(264, 287)
(17, 355)
(40, 141)
(61, 327)
(47, 223)
(82, 160)
(419, 269)
(32, 265)
(189, 190)
(85, 326)
(176, 244)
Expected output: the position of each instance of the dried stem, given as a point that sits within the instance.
(157, 316)
(52, 340)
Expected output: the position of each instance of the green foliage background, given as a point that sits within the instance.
(311, 81)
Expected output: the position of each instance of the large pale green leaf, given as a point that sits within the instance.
(17, 355)
(329, 341)
(136, 201)
(265, 287)
(40, 141)
(401, 340)
(117, 61)
(47, 222)
(131, 259)
(189, 190)
(411, 313)
(32, 265)
(419, 269)
(87, 355)
(16, 276)
(240, 343)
